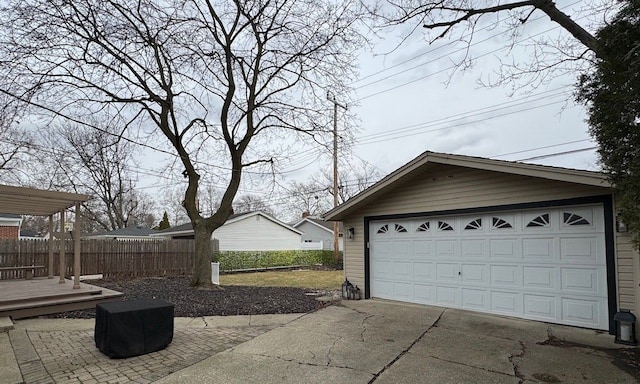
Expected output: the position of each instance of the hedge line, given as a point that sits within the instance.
(231, 260)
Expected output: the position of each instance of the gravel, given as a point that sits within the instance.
(228, 300)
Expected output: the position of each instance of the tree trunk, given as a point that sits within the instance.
(202, 258)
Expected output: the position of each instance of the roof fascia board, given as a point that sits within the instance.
(234, 220)
(268, 217)
(314, 223)
(559, 174)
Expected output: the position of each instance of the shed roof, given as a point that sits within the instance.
(36, 202)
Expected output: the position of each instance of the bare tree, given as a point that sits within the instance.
(97, 162)
(251, 203)
(307, 198)
(220, 80)
(315, 196)
(16, 143)
(461, 20)
(355, 176)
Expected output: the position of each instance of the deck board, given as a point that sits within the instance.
(38, 296)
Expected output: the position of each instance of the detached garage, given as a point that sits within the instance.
(493, 236)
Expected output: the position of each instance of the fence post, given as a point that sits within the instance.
(215, 248)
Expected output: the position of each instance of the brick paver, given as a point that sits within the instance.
(72, 357)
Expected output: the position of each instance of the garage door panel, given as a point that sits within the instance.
(424, 293)
(582, 281)
(423, 271)
(544, 264)
(448, 296)
(446, 249)
(539, 277)
(538, 249)
(505, 275)
(540, 307)
(475, 299)
(472, 248)
(582, 249)
(506, 303)
(382, 289)
(383, 248)
(403, 291)
(475, 273)
(504, 249)
(402, 270)
(402, 249)
(382, 269)
(422, 249)
(581, 312)
(447, 272)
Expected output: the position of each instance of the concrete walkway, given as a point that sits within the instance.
(358, 342)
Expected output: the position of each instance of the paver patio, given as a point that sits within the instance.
(60, 354)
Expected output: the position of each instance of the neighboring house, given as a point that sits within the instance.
(253, 231)
(10, 226)
(129, 233)
(318, 234)
(31, 234)
(501, 237)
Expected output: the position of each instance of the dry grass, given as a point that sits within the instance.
(296, 278)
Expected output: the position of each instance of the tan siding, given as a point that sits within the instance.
(628, 275)
(455, 188)
(626, 272)
(354, 266)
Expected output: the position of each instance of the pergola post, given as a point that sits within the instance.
(50, 273)
(62, 266)
(76, 249)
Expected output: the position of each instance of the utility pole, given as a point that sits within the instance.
(336, 225)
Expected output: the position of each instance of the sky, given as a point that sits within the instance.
(409, 99)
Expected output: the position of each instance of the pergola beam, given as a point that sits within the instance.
(38, 202)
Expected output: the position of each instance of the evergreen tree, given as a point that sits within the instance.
(611, 92)
(164, 224)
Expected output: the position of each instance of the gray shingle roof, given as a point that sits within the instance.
(129, 231)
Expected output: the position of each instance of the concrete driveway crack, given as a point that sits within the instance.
(469, 365)
(364, 327)
(306, 363)
(516, 369)
(330, 349)
(404, 352)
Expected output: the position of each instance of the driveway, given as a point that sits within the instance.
(381, 342)
(366, 341)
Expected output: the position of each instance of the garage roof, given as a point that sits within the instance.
(36, 202)
(597, 179)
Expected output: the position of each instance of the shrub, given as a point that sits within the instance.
(233, 260)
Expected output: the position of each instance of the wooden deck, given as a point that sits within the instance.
(42, 296)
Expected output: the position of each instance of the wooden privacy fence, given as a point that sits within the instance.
(111, 258)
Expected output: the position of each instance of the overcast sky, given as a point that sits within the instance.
(406, 107)
(409, 100)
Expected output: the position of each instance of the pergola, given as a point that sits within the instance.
(38, 202)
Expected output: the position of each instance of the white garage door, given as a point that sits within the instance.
(543, 264)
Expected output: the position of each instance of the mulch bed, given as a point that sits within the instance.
(193, 302)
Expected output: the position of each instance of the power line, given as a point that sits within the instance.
(558, 154)
(447, 68)
(545, 147)
(465, 115)
(452, 43)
